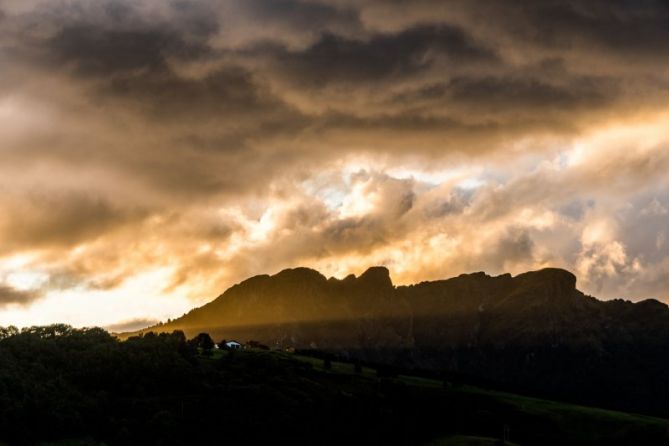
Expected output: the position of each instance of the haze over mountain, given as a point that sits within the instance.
(535, 331)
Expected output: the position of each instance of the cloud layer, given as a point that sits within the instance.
(170, 149)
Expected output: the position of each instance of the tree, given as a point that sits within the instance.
(8, 332)
(204, 342)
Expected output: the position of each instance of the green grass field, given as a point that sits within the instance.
(579, 423)
(478, 416)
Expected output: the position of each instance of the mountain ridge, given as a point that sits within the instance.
(547, 286)
(533, 332)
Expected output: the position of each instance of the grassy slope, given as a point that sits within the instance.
(579, 423)
(528, 418)
(582, 422)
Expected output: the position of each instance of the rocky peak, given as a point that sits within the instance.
(301, 274)
(554, 284)
(377, 276)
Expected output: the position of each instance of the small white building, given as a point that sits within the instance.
(233, 345)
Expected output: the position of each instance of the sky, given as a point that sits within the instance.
(153, 153)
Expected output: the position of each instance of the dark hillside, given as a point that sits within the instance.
(534, 333)
(64, 386)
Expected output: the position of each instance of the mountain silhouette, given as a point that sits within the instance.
(535, 332)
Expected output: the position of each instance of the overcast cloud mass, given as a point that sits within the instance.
(153, 153)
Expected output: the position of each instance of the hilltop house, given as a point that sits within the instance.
(233, 345)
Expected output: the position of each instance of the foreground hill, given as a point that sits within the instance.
(62, 386)
(535, 332)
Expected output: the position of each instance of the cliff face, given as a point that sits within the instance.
(301, 308)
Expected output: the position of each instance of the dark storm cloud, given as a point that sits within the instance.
(299, 15)
(42, 220)
(200, 76)
(95, 52)
(138, 66)
(442, 76)
(12, 296)
(618, 24)
(634, 28)
(530, 93)
(340, 60)
(516, 245)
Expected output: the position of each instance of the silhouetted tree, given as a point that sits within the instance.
(6, 332)
(204, 342)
